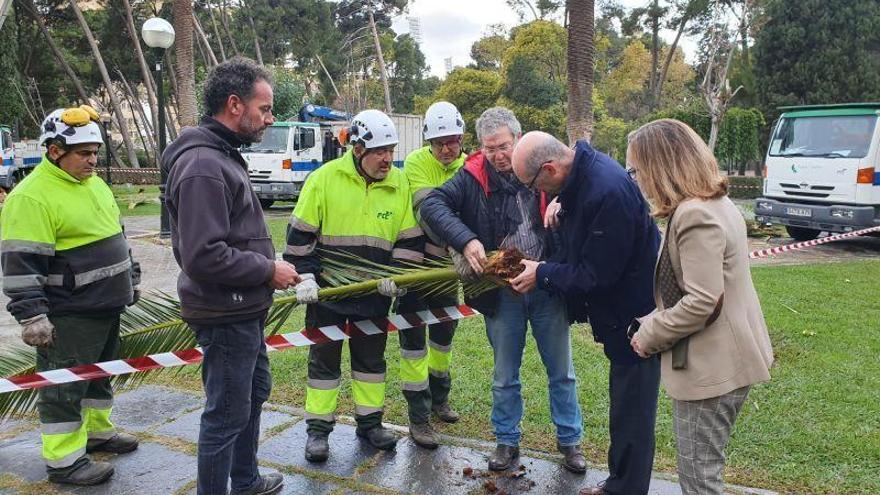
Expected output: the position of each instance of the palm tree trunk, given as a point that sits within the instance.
(114, 100)
(186, 76)
(32, 11)
(217, 32)
(580, 52)
(382, 73)
(142, 62)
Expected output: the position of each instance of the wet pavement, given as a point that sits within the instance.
(167, 421)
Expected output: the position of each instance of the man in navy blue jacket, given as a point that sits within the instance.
(605, 271)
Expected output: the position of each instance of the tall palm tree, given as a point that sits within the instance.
(122, 125)
(580, 69)
(187, 110)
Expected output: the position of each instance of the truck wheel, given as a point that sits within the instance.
(267, 203)
(801, 234)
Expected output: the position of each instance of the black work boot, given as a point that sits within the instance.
(445, 413)
(317, 448)
(423, 435)
(379, 437)
(119, 443)
(269, 484)
(503, 457)
(573, 459)
(89, 473)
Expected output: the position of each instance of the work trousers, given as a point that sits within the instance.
(72, 413)
(324, 376)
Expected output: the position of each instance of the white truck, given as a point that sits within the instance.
(821, 171)
(289, 151)
(16, 159)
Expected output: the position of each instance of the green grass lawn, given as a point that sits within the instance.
(144, 199)
(815, 428)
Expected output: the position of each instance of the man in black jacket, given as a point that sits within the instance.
(605, 271)
(484, 208)
(228, 272)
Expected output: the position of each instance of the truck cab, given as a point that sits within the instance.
(821, 170)
(279, 163)
(17, 159)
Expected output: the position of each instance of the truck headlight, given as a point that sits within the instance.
(840, 213)
(765, 205)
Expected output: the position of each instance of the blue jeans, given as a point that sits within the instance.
(507, 334)
(237, 381)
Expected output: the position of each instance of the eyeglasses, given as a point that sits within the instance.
(504, 148)
(541, 169)
(631, 172)
(449, 143)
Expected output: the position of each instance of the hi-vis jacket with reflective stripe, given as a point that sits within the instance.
(424, 173)
(338, 211)
(63, 249)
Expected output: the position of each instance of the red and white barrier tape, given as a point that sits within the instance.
(304, 338)
(764, 253)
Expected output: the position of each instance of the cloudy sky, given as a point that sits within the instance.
(449, 27)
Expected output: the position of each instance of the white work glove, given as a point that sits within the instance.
(38, 331)
(306, 289)
(388, 288)
(466, 273)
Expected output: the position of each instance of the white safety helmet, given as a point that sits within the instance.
(443, 119)
(373, 129)
(72, 126)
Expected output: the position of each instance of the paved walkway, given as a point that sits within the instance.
(167, 420)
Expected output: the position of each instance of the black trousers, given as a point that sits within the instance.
(633, 386)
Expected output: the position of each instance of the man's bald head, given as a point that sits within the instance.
(538, 150)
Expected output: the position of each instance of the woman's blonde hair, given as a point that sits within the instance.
(673, 164)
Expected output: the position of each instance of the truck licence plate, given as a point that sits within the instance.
(799, 212)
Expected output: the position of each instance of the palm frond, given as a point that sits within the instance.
(154, 325)
(17, 359)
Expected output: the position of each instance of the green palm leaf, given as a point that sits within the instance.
(154, 325)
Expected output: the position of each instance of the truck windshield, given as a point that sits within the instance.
(832, 137)
(274, 141)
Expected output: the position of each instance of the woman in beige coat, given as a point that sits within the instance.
(708, 327)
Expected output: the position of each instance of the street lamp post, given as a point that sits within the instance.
(159, 35)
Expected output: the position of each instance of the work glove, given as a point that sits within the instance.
(38, 331)
(135, 296)
(306, 289)
(388, 288)
(465, 271)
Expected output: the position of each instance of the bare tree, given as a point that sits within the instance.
(31, 10)
(250, 19)
(204, 41)
(381, 61)
(716, 85)
(224, 21)
(108, 84)
(142, 62)
(187, 115)
(217, 31)
(581, 30)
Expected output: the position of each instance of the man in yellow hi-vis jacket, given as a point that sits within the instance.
(358, 203)
(424, 363)
(68, 272)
